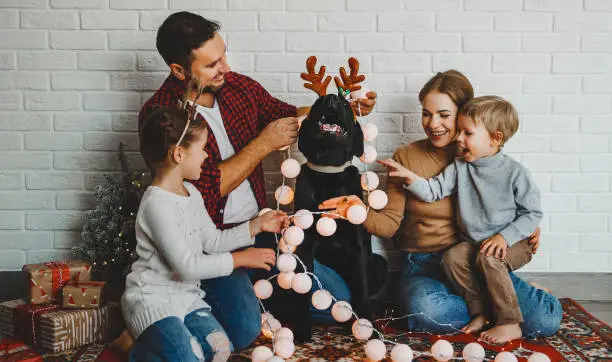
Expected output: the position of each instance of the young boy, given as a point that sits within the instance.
(498, 208)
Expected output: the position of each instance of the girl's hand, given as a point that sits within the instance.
(496, 245)
(272, 221)
(397, 170)
(340, 205)
(254, 258)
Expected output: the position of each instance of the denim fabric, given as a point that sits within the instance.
(423, 290)
(198, 338)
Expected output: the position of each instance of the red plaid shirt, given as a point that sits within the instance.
(246, 108)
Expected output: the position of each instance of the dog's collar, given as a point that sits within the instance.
(328, 169)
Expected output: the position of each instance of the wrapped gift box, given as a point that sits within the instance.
(12, 351)
(7, 317)
(56, 329)
(83, 295)
(48, 279)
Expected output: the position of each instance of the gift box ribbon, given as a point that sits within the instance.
(60, 275)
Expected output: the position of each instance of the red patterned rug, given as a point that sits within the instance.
(581, 338)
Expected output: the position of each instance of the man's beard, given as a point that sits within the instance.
(210, 89)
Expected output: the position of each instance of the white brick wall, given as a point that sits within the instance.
(75, 72)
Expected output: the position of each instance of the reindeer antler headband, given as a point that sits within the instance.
(193, 86)
(318, 82)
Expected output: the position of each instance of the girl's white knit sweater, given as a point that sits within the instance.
(177, 246)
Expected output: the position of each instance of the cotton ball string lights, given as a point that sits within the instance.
(286, 263)
(284, 279)
(270, 325)
(370, 132)
(538, 357)
(505, 357)
(369, 181)
(261, 354)
(284, 195)
(326, 226)
(375, 350)
(290, 168)
(263, 289)
(342, 311)
(362, 329)
(303, 219)
(378, 199)
(369, 154)
(284, 332)
(301, 283)
(357, 214)
(321, 299)
(294, 235)
(264, 210)
(401, 353)
(473, 352)
(284, 247)
(284, 347)
(442, 350)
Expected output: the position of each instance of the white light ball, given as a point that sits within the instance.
(263, 289)
(284, 332)
(284, 195)
(370, 131)
(378, 199)
(284, 347)
(375, 350)
(286, 263)
(294, 235)
(362, 329)
(303, 219)
(538, 357)
(505, 357)
(473, 352)
(326, 226)
(284, 247)
(361, 92)
(290, 168)
(369, 154)
(301, 283)
(369, 181)
(264, 210)
(357, 214)
(284, 280)
(442, 350)
(321, 299)
(342, 311)
(261, 354)
(269, 326)
(401, 353)
(275, 359)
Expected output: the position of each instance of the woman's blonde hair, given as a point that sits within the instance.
(452, 83)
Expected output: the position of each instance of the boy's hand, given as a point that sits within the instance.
(254, 258)
(397, 170)
(272, 221)
(496, 245)
(534, 240)
(340, 205)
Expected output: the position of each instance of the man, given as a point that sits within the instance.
(247, 124)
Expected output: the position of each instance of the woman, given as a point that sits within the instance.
(422, 231)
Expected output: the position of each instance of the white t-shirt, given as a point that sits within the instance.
(241, 203)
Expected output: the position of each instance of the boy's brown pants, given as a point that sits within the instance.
(467, 270)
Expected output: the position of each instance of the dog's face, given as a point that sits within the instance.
(330, 135)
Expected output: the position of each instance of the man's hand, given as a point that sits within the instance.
(496, 245)
(534, 240)
(363, 106)
(280, 133)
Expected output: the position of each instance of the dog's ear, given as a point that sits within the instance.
(357, 140)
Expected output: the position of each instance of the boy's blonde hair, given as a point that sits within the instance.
(496, 113)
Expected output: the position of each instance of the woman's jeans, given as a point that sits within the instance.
(422, 290)
(198, 338)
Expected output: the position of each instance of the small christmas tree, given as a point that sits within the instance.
(109, 238)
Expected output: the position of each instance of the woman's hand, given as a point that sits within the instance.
(272, 221)
(340, 205)
(254, 258)
(366, 105)
(397, 170)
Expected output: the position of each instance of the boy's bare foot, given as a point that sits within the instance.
(538, 286)
(502, 334)
(476, 324)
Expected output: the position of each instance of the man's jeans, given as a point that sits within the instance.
(423, 290)
(198, 338)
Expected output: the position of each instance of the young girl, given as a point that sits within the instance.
(178, 245)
